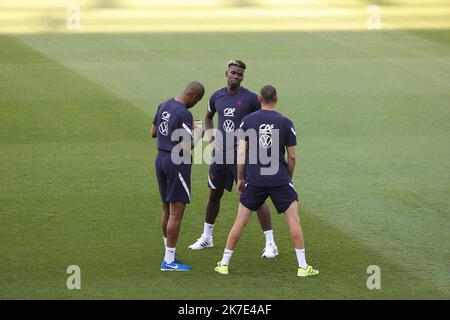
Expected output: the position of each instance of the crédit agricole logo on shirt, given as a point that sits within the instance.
(228, 125)
(265, 138)
(164, 126)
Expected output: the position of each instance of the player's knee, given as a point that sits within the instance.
(264, 210)
(215, 195)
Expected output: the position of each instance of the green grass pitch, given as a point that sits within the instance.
(372, 113)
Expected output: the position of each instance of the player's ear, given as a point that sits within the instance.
(194, 99)
(275, 99)
(260, 99)
(226, 73)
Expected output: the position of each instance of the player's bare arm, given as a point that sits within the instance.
(197, 136)
(291, 155)
(154, 131)
(241, 164)
(209, 125)
(198, 133)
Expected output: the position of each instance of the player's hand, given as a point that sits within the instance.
(198, 125)
(214, 144)
(240, 185)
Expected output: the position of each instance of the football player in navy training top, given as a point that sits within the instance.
(267, 134)
(172, 126)
(231, 103)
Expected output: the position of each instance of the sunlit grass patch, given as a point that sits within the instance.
(213, 16)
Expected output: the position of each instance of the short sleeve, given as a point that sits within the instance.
(243, 129)
(255, 104)
(187, 122)
(212, 104)
(291, 138)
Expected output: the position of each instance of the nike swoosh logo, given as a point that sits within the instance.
(176, 267)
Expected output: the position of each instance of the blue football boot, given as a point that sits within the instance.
(174, 266)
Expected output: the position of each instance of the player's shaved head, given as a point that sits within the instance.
(195, 88)
(192, 94)
(269, 94)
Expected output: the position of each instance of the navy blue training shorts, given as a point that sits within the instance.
(253, 197)
(222, 176)
(174, 180)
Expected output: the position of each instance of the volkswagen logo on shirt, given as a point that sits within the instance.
(265, 141)
(164, 128)
(228, 125)
(229, 112)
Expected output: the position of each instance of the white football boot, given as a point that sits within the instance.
(270, 251)
(202, 243)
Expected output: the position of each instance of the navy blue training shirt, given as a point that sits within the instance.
(270, 130)
(171, 115)
(231, 109)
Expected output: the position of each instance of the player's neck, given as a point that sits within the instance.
(180, 99)
(268, 107)
(232, 91)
